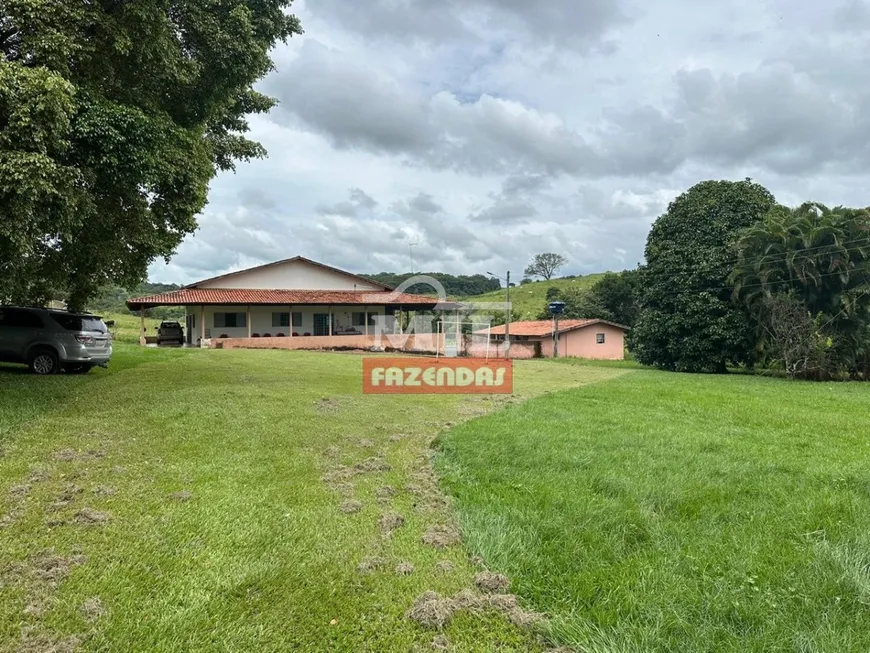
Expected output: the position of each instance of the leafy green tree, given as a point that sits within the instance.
(688, 320)
(585, 303)
(554, 293)
(114, 117)
(545, 265)
(619, 294)
(819, 257)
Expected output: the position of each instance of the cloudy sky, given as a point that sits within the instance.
(467, 135)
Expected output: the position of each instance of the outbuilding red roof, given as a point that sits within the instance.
(545, 327)
(232, 296)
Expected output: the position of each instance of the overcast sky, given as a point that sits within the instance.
(465, 136)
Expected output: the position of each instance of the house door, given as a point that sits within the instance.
(321, 324)
(190, 324)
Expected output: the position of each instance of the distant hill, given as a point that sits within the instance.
(456, 286)
(530, 299)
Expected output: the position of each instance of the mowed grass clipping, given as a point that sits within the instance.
(199, 500)
(665, 512)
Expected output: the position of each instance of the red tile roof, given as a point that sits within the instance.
(231, 296)
(545, 327)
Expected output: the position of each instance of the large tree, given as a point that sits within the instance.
(688, 320)
(114, 117)
(613, 297)
(545, 265)
(816, 258)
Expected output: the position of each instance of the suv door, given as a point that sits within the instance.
(19, 327)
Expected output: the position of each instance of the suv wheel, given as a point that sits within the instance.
(43, 362)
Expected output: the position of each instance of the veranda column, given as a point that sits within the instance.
(330, 321)
(366, 318)
(202, 323)
(248, 320)
(142, 327)
(290, 322)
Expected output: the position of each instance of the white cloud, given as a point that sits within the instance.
(481, 132)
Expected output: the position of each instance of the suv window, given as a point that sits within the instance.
(18, 317)
(79, 322)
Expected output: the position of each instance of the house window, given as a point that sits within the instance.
(280, 319)
(599, 338)
(358, 319)
(297, 319)
(230, 320)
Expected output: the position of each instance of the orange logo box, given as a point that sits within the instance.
(394, 375)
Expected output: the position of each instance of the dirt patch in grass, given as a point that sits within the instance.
(431, 610)
(398, 437)
(344, 488)
(389, 522)
(181, 496)
(18, 492)
(92, 609)
(404, 569)
(487, 581)
(69, 455)
(444, 566)
(69, 492)
(49, 567)
(371, 563)
(104, 490)
(441, 536)
(365, 443)
(441, 643)
(35, 608)
(91, 517)
(373, 465)
(350, 506)
(38, 476)
(340, 473)
(328, 405)
(385, 492)
(35, 641)
(434, 611)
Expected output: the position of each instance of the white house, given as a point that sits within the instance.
(296, 298)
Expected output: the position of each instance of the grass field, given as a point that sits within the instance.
(530, 299)
(189, 500)
(664, 512)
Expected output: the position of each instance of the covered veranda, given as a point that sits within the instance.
(294, 319)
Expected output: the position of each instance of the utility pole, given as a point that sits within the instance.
(556, 309)
(507, 322)
(556, 336)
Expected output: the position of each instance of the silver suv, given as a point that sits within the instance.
(50, 341)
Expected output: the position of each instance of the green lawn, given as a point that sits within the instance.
(664, 512)
(530, 299)
(189, 500)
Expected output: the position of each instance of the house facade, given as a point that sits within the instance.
(594, 339)
(295, 299)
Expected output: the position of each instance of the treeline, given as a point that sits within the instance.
(456, 286)
(734, 279)
(112, 299)
(614, 297)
